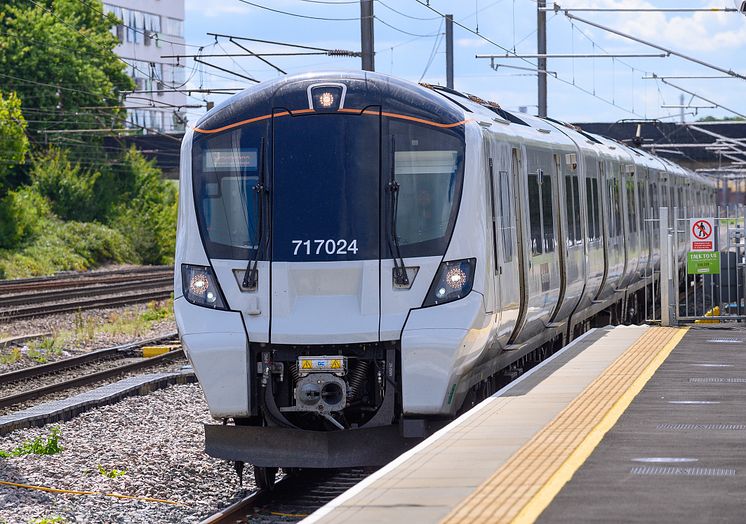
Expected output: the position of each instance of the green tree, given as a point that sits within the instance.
(58, 56)
(13, 141)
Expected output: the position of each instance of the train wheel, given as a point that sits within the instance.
(265, 477)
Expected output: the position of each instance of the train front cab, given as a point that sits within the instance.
(297, 274)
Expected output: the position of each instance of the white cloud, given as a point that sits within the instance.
(215, 8)
(695, 31)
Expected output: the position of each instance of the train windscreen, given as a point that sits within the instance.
(328, 182)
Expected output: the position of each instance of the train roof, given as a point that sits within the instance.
(418, 100)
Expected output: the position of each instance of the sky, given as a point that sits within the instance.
(410, 43)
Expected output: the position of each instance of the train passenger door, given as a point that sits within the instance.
(521, 268)
(325, 196)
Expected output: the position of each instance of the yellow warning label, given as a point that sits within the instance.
(336, 364)
(307, 364)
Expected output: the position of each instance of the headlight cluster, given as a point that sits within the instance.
(453, 281)
(201, 287)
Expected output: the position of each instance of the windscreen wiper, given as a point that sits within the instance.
(400, 271)
(251, 275)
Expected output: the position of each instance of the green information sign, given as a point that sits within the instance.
(703, 263)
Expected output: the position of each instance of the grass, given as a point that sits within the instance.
(37, 446)
(11, 357)
(49, 520)
(111, 473)
(129, 322)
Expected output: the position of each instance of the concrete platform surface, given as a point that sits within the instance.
(678, 454)
(490, 463)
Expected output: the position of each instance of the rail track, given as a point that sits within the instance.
(293, 498)
(34, 297)
(35, 382)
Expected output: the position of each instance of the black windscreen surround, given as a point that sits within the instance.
(326, 188)
(226, 168)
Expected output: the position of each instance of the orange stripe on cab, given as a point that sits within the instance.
(369, 112)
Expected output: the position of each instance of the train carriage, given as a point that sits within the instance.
(360, 258)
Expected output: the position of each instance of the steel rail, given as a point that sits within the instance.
(95, 289)
(63, 279)
(60, 365)
(120, 300)
(237, 511)
(75, 362)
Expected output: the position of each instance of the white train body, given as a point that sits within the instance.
(515, 232)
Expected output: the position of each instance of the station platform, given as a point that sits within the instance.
(625, 424)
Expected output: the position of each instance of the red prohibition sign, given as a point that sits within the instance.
(702, 229)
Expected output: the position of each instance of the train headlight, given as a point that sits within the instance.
(453, 281)
(200, 287)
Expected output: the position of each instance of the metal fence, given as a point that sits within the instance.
(706, 286)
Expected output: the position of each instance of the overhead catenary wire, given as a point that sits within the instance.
(557, 77)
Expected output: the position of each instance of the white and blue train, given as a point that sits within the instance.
(360, 257)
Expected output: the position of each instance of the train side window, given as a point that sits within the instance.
(547, 212)
(506, 215)
(534, 206)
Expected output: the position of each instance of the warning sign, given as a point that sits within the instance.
(701, 237)
(314, 364)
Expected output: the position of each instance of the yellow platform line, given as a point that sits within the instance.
(525, 485)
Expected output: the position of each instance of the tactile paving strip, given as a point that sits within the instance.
(525, 485)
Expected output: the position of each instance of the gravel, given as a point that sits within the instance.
(157, 439)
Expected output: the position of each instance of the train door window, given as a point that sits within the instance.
(642, 193)
(614, 215)
(541, 203)
(547, 213)
(589, 205)
(572, 198)
(570, 204)
(534, 206)
(682, 203)
(493, 215)
(631, 205)
(576, 209)
(664, 193)
(654, 211)
(506, 214)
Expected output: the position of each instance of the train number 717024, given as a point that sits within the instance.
(329, 247)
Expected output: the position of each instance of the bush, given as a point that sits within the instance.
(13, 141)
(64, 246)
(22, 214)
(69, 189)
(147, 214)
